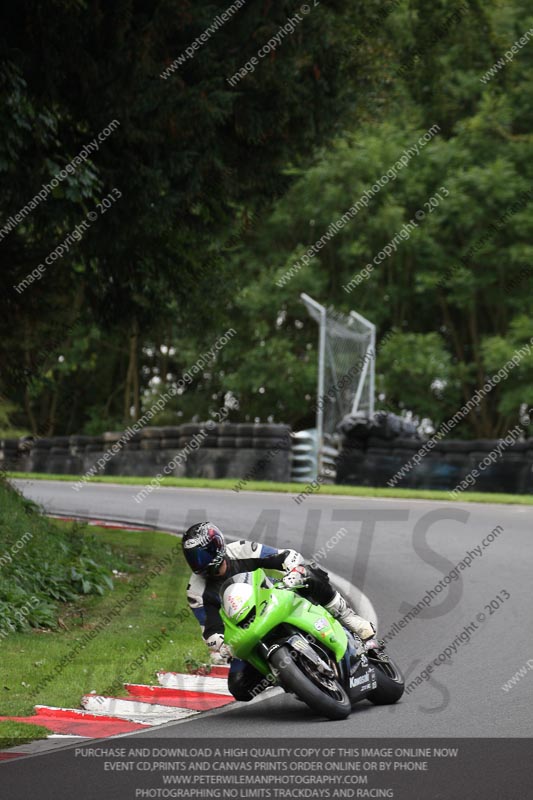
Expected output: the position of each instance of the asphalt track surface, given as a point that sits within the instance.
(395, 551)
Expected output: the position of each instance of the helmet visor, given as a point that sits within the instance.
(208, 559)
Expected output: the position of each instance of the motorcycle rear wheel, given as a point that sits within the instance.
(390, 683)
(333, 704)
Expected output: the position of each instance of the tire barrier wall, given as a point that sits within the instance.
(226, 450)
(375, 461)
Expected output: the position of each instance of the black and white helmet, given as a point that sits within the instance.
(204, 548)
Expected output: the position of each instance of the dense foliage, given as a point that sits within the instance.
(224, 188)
(42, 565)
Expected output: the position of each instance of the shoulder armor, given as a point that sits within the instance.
(244, 549)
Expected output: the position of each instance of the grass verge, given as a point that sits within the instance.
(294, 488)
(15, 733)
(104, 641)
(42, 565)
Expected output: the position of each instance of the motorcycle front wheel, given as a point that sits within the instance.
(323, 695)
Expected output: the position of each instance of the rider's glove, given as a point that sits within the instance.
(296, 577)
(216, 645)
(292, 559)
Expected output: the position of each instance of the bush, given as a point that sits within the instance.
(42, 565)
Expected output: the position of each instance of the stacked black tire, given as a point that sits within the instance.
(238, 450)
(227, 450)
(374, 449)
(10, 455)
(371, 456)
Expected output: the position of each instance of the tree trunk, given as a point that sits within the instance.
(109, 401)
(482, 424)
(132, 385)
(52, 414)
(29, 411)
(135, 370)
(127, 392)
(27, 363)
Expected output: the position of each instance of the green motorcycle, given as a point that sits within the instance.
(302, 647)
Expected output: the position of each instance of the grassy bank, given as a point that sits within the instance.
(85, 609)
(106, 640)
(295, 488)
(43, 565)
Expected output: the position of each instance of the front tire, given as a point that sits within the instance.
(293, 678)
(390, 682)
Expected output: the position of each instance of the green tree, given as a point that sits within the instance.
(192, 157)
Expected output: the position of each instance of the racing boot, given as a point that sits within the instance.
(340, 609)
(375, 648)
(217, 659)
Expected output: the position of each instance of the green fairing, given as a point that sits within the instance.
(274, 607)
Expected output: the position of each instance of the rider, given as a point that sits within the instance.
(213, 562)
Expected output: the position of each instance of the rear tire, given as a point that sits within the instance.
(294, 679)
(390, 683)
